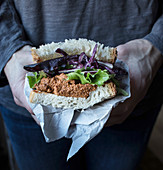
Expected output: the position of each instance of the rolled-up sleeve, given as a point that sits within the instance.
(12, 35)
(156, 34)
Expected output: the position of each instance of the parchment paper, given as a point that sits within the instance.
(80, 125)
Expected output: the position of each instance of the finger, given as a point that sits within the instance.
(113, 121)
(120, 112)
(17, 101)
(36, 120)
(26, 105)
(116, 118)
(23, 103)
(120, 109)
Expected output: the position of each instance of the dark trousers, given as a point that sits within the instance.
(116, 148)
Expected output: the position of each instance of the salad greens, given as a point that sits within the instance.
(35, 78)
(98, 78)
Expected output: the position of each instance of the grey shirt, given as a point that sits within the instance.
(111, 22)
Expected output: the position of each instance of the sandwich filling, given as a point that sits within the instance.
(60, 86)
(72, 75)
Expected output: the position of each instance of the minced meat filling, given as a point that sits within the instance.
(58, 85)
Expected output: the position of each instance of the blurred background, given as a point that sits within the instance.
(152, 159)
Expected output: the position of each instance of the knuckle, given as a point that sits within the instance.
(121, 120)
(17, 101)
(122, 51)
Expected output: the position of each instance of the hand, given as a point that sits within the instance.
(16, 76)
(143, 60)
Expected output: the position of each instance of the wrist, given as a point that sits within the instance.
(155, 40)
(154, 50)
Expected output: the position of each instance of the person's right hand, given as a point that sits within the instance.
(16, 76)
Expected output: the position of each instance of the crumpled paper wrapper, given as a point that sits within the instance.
(80, 125)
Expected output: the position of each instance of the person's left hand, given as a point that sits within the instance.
(143, 60)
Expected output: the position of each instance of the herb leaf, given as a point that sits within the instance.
(98, 78)
(35, 78)
(121, 91)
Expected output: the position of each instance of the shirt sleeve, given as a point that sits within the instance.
(12, 35)
(156, 34)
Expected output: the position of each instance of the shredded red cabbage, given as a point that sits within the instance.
(58, 65)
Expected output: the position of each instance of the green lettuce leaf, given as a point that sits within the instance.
(78, 75)
(98, 78)
(35, 78)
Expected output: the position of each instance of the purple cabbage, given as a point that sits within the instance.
(92, 60)
(58, 65)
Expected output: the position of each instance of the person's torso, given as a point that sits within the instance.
(111, 22)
